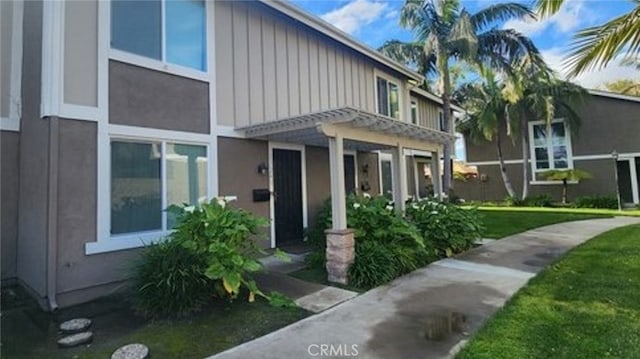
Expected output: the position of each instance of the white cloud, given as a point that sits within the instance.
(355, 14)
(592, 79)
(571, 15)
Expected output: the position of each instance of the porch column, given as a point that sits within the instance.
(400, 192)
(436, 178)
(340, 240)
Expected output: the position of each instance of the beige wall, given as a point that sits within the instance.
(81, 53)
(9, 180)
(34, 145)
(428, 112)
(148, 98)
(369, 160)
(238, 175)
(318, 180)
(77, 196)
(269, 67)
(6, 27)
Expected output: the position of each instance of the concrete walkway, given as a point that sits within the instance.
(446, 301)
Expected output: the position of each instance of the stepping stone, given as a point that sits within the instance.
(74, 340)
(75, 325)
(131, 351)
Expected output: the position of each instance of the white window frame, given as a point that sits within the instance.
(378, 74)
(162, 64)
(107, 242)
(12, 121)
(532, 154)
(413, 103)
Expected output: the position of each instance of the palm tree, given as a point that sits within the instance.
(533, 95)
(565, 176)
(596, 46)
(446, 32)
(486, 116)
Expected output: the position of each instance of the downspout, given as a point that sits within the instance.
(52, 213)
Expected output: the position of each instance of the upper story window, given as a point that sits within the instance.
(550, 145)
(172, 31)
(414, 111)
(388, 98)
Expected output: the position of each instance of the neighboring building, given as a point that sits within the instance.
(112, 110)
(609, 122)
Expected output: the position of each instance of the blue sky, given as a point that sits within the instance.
(374, 21)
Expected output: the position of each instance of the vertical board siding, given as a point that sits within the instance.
(256, 86)
(270, 93)
(428, 112)
(268, 68)
(224, 67)
(241, 64)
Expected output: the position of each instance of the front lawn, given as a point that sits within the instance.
(584, 306)
(502, 222)
(219, 327)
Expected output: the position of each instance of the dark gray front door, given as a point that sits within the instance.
(287, 187)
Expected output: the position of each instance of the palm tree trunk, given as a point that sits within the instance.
(524, 139)
(503, 169)
(446, 119)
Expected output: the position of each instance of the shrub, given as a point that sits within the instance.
(449, 228)
(543, 200)
(610, 202)
(223, 236)
(387, 246)
(169, 280)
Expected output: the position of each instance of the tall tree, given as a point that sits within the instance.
(534, 95)
(445, 32)
(486, 117)
(594, 47)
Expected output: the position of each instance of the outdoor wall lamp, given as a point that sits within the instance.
(365, 168)
(263, 169)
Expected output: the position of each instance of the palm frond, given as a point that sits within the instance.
(595, 47)
(462, 38)
(500, 13)
(501, 48)
(411, 13)
(547, 8)
(411, 54)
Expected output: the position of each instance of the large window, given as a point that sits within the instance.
(550, 146)
(388, 98)
(147, 177)
(414, 111)
(171, 31)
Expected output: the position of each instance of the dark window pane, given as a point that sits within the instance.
(387, 179)
(414, 112)
(186, 33)
(136, 27)
(560, 157)
(539, 135)
(383, 99)
(558, 129)
(136, 204)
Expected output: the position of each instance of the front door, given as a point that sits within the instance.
(287, 188)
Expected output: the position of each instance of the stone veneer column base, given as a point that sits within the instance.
(340, 254)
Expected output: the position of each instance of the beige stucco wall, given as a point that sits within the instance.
(368, 172)
(318, 180)
(81, 52)
(76, 216)
(10, 184)
(34, 144)
(270, 67)
(148, 98)
(6, 27)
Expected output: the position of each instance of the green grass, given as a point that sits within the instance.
(505, 222)
(216, 329)
(584, 306)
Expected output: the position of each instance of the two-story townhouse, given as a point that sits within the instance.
(605, 145)
(113, 110)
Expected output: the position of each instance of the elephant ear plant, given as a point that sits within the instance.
(224, 236)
